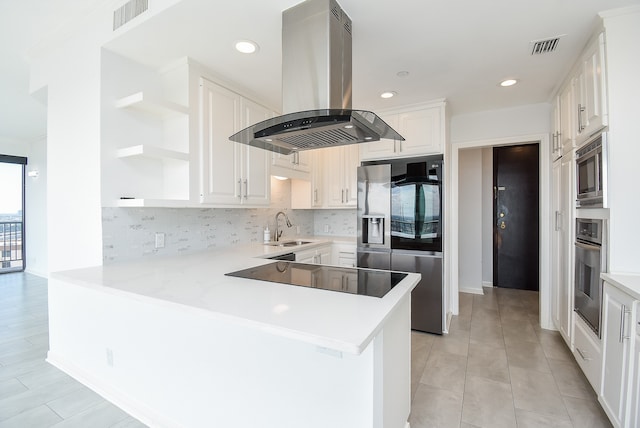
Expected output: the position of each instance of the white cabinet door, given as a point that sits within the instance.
(556, 143)
(591, 104)
(255, 161)
(319, 255)
(421, 129)
(221, 168)
(306, 194)
(565, 249)
(634, 390)
(232, 174)
(618, 327)
(343, 255)
(385, 148)
(556, 241)
(567, 132)
(341, 165)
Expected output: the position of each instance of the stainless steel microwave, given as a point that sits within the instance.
(591, 173)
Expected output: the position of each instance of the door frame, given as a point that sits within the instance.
(451, 226)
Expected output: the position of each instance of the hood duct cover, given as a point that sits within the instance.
(316, 86)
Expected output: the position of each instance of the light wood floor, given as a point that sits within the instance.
(495, 369)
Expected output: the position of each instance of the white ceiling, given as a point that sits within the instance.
(453, 49)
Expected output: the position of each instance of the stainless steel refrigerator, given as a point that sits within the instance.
(400, 224)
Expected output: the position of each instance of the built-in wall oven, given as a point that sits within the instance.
(591, 173)
(591, 260)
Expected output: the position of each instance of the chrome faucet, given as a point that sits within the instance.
(278, 233)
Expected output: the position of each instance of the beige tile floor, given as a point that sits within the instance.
(495, 369)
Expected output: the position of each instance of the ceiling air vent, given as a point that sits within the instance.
(128, 11)
(544, 46)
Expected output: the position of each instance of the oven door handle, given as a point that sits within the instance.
(590, 247)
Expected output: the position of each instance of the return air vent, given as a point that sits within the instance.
(128, 11)
(544, 46)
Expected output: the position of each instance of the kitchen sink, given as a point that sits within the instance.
(288, 243)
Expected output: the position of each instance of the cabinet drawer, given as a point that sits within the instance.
(588, 352)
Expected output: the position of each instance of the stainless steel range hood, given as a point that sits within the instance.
(316, 86)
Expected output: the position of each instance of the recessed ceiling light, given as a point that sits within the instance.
(508, 82)
(388, 94)
(246, 46)
(348, 126)
(368, 138)
(402, 73)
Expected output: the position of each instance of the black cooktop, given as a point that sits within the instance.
(367, 282)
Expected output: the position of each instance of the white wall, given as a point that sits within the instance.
(623, 69)
(491, 128)
(487, 216)
(470, 221)
(36, 210)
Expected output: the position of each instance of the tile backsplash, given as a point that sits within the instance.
(129, 233)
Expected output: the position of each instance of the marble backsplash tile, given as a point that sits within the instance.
(129, 233)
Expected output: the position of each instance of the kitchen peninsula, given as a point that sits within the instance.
(176, 343)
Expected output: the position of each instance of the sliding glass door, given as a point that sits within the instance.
(12, 249)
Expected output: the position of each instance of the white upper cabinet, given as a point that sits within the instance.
(591, 94)
(422, 128)
(566, 138)
(232, 174)
(341, 179)
(296, 165)
(306, 194)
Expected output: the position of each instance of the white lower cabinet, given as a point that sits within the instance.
(634, 392)
(318, 255)
(342, 280)
(587, 350)
(619, 324)
(343, 255)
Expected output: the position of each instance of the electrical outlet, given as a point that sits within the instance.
(160, 240)
(326, 228)
(109, 357)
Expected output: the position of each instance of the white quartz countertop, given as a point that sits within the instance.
(627, 282)
(196, 282)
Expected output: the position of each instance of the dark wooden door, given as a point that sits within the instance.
(516, 217)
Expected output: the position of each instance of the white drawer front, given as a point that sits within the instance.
(588, 352)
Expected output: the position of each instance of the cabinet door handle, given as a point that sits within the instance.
(342, 196)
(558, 215)
(580, 124)
(239, 189)
(582, 355)
(315, 195)
(346, 198)
(246, 188)
(623, 321)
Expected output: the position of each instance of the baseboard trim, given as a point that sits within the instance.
(133, 407)
(470, 290)
(487, 284)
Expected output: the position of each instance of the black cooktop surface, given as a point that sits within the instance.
(367, 282)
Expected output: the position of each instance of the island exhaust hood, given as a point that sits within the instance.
(316, 86)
